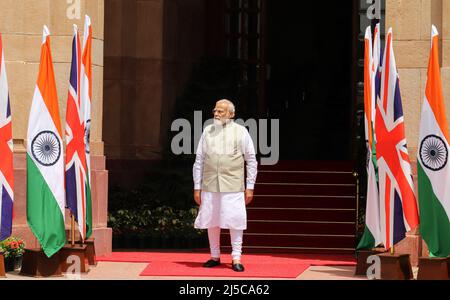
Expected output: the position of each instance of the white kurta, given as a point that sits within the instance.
(224, 210)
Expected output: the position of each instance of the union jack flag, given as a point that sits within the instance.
(398, 204)
(6, 154)
(75, 151)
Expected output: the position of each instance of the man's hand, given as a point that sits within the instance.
(248, 197)
(198, 197)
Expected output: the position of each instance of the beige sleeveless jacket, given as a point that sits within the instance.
(223, 168)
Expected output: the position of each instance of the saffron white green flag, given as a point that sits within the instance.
(372, 234)
(45, 162)
(86, 99)
(433, 168)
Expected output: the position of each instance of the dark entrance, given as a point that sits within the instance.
(297, 64)
(309, 68)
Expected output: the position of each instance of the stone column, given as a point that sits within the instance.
(411, 22)
(133, 86)
(21, 24)
(150, 48)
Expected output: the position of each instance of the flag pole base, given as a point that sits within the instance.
(36, 264)
(2, 266)
(361, 260)
(396, 267)
(74, 258)
(90, 251)
(433, 268)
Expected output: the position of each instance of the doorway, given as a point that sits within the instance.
(309, 72)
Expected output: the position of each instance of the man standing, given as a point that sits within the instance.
(219, 188)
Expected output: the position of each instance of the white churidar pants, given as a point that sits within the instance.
(236, 242)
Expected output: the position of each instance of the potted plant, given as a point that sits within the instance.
(12, 249)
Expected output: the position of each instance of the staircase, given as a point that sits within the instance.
(302, 207)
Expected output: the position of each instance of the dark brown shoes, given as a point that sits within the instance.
(211, 263)
(237, 267)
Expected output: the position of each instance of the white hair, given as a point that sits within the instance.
(231, 107)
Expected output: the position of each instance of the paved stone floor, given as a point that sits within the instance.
(131, 271)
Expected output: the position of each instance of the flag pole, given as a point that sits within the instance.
(72, 229)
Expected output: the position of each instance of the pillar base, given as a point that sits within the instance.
(395, 267)
(77, 250)
(361, 260)
(433, 269)
(36, 264)
(90, 250)
(2, 266)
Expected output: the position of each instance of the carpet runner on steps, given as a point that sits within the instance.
(256, 265)
(302, 207)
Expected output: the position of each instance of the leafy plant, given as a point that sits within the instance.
(162, 220)
(12, 247)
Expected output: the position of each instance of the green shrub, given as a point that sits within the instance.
(162, 220)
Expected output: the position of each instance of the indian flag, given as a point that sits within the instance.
(372, 234)
(45, 162)
(86, 97)
(433, 168)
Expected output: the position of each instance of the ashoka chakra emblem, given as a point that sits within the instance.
(87, 136)
(433, 153)
(368, 154)
(46, 148)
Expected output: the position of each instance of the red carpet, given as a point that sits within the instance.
(256, 265)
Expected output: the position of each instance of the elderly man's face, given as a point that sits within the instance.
(221, 112)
